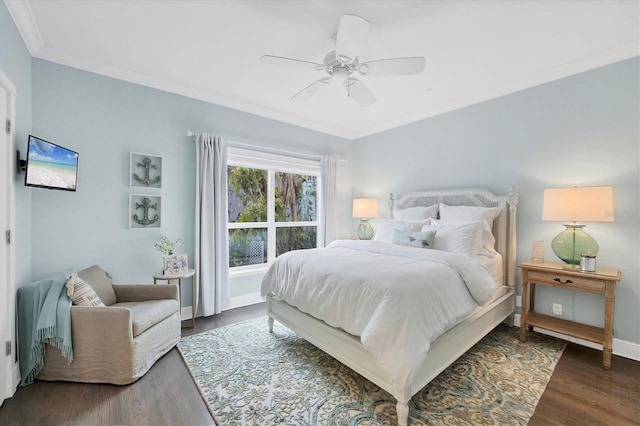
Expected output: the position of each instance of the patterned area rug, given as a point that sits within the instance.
(248, 376)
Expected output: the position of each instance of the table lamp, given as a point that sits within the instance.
(365, 208)
(577, 204)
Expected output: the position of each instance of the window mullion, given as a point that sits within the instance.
(271, 217)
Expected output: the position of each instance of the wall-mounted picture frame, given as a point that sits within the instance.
(145, 211)
(175, 264)
(145, 171)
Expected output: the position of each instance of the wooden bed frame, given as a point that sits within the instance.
(347, 348)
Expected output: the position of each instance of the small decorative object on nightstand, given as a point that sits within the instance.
(602, 281)
(537, 252)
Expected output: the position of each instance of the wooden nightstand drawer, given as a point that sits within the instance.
(560, 280)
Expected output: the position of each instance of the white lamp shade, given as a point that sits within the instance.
(365, 207)
(578, 204)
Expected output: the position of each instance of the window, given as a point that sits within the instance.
(273, 206)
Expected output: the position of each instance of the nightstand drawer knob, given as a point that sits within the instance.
(563, 282)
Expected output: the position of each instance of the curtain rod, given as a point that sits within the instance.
(193, 136)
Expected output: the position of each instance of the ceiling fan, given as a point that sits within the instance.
(344, 65)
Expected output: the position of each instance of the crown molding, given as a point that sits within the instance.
(21, 13)
(607, 57)
(208, 96)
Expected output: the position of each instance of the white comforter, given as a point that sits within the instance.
(397, 299)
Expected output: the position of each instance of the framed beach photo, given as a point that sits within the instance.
(175, 264)
(145, 211)
(145, 171)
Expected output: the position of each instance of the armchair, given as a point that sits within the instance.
(120, 342)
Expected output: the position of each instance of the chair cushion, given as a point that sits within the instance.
(145, 315)
(100, 283)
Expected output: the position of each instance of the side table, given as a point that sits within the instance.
(189, 273)
(554, 274)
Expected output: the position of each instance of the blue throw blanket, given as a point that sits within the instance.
(44, 316)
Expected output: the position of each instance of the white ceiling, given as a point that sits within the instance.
(210, 50)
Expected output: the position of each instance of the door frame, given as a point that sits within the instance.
(9, 367)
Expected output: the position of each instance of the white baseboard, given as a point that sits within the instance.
(235, 302)
(621, 348)
(245, 300)
(185, 313)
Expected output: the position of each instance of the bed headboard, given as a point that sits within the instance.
(504, 227)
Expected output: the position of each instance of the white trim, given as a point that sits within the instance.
(621, 348)
(617, 54)
(245, 300)
(248, 270)
(185, 313)
(234, 302)
(9, 370)
(268, 161)
(8, 85)
(22, 16)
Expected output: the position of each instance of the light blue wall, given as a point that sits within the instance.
(582, 130)
(15, 63)
(104, 120)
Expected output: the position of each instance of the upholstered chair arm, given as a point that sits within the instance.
(101, 323)
(142, 292)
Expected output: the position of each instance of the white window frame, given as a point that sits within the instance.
(272, 163)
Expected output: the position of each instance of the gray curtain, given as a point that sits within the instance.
(211, 235)
(329, 228)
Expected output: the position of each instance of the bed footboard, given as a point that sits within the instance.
(347, 348)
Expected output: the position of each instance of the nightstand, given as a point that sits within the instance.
(556, 274)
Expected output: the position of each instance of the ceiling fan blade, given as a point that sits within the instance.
(290, 63)
(351, 34)
(311, 89)
(395, 66)
(359, 92)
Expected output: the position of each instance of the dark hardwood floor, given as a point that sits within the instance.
(580, 392)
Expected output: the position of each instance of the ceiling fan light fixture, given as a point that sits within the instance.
(343, 62)
(341, 72)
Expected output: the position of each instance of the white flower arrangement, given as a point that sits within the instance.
(166, 246)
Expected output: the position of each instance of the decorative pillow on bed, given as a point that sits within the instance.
(462, 238)
(81, 293)
(416, 213)
(414, 239)
(460, 214)
(384, 233)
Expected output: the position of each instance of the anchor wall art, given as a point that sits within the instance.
(145, 171)
(145, 211)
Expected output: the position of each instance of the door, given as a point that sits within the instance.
(9, 371)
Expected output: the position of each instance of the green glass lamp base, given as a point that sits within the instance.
(365, 231)
(573, 242)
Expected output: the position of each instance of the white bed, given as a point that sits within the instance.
(461, 333)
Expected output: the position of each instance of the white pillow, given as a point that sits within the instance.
(384, 233)
(458, 214)
(414, 239)
(416, 213)
(462, 238)
(81, 293)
